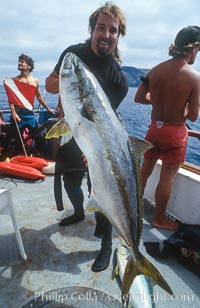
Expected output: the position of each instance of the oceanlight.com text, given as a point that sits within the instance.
(159, 297)
(112, 296)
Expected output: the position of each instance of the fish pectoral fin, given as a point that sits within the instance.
(142, 266)
(116, 268)
(92, 206)
(61, 128)
(65, 139)
(115, 272)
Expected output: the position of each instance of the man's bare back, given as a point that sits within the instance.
(173, 89)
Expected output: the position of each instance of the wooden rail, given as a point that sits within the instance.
(194, 133)
(191, 167)
(9, 111)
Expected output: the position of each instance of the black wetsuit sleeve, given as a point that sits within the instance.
(145, 80)
(73, 48)
(58, 65)
(116, 86)
(122, 84)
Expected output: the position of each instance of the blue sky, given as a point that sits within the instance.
(43, 29)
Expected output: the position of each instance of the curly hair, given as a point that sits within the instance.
(113, 11)
(175, 51)
(185, 40)
(28, 60)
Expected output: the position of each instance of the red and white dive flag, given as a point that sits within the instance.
(20, 93)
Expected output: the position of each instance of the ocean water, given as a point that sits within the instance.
(136, 118)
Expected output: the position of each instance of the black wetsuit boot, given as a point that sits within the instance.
(101, 222)
(72, 184)
(103, 230)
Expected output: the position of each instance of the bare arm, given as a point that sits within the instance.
(52, 83)
(142, 94)
(60, 109)
(41, 100)
(193, 106)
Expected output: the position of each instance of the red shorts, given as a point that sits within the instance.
(169, 140)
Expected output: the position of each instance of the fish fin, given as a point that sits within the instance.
(92, 206)
(65, 139)
(141, 266)
(137, 148)
(116, 268)
(61, 128)
(115, 272)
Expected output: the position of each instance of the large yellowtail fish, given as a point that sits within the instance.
(113, 160)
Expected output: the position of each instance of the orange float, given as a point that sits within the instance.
(29, 161)
(21, 171)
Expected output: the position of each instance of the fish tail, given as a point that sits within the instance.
(141, 266)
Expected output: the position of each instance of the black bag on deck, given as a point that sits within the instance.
(184, 244)
(47, 148)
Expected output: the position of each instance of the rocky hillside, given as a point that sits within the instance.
(134, 74)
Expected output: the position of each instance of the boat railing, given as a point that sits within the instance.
(186, 165)
(9, 111)
(194, 133)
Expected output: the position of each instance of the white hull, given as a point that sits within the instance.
(184, 203)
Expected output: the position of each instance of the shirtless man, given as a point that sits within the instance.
(25, 66)
(22, 101)
(173, 89)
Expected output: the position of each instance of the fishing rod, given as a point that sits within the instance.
(19, 133)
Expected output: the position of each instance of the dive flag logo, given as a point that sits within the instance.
(14, 89)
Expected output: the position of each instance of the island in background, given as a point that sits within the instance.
(133, 74)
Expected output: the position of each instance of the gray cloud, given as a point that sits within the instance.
(44, 29)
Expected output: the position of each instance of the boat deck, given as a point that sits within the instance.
(61, 257)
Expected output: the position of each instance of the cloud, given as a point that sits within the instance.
(44, 29)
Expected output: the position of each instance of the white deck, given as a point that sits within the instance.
(59, 257)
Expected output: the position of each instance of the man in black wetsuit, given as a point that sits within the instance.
(100, 54)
